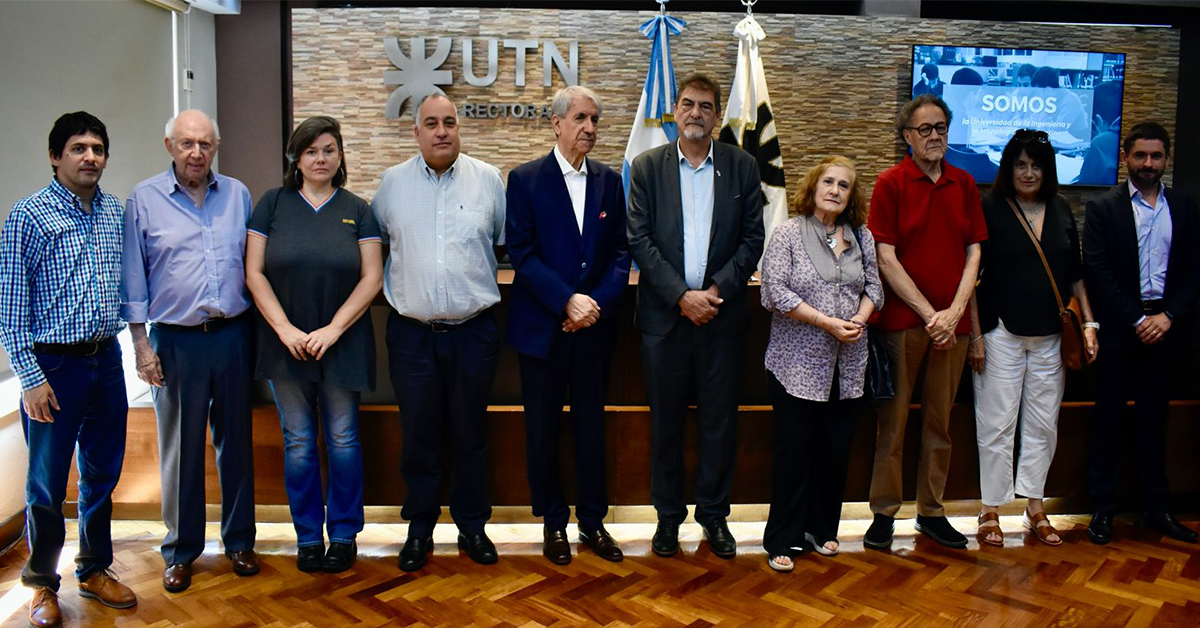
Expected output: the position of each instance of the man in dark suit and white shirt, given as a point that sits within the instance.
(566, 239)
(1140, 250)
(696, 233)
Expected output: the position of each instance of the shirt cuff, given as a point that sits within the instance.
(135, 312)
(1139, 321)
(28, 372)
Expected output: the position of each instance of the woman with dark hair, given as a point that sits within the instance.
(820, 283)
(313, 265)
(1016, 331)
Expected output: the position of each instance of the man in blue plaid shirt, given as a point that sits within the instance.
(60, 272)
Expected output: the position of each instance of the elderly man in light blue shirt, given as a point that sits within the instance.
(182, 272)
(442, 213)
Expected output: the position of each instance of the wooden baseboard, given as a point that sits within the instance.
(12, 531)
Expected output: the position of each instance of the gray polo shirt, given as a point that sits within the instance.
(441, 232)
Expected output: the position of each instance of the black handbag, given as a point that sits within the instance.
(877, 384)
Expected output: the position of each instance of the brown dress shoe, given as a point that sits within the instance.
(43, 609)
(103, 586)
(245, 562)
(177, 578)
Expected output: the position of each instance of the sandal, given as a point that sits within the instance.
(820, 547)
(1042, 532)
(989, 523)
(775, 562)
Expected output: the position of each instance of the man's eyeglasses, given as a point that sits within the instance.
(1030, 135)
(925, 129)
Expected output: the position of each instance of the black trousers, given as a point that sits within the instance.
(544, 385)
(1127, 368)
(689, 355)
(442, 379)
(808, 479)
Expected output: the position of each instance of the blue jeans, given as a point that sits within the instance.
(91, 423)
(298, 404)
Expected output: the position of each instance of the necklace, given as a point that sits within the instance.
(1033, 213)
(830, 240)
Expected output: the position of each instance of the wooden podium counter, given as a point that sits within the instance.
(628, 435)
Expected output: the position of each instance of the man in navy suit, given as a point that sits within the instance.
(1140, 244)
(566, 239)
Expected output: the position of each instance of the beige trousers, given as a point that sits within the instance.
(909, 350)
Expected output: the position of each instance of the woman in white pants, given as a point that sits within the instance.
(1016, 331)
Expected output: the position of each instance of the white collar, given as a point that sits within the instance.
(566, 166)
(679, 150)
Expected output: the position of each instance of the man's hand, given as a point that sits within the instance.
(582, 311)
(149, 368)
(1153, 329)
(700, 306)
(941, 326)
(977, 354)
(295, 340)
(320, 340)
(38, 402)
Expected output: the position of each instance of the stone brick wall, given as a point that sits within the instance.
(835, 82)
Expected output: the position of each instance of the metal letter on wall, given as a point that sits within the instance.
(418, 75)
(521, 45)
(469, 59)
(570, 73)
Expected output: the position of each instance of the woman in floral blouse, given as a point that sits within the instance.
(821, 283)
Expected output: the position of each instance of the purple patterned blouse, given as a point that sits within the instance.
(802, 356)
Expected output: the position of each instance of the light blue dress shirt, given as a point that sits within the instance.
(183, 264)
(1154, 241)
(696, 197)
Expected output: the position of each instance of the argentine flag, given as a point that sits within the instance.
(654, 124)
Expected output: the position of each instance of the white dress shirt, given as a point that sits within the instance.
(576, 181)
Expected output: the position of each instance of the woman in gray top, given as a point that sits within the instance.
(313, 265)
(821, 284)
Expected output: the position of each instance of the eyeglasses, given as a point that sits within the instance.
(1030, 135)
(925, 129)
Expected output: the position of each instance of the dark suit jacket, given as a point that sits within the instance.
(656, 236)
(1110, 258)
(553, 260)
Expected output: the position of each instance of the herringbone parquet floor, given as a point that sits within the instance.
(1139, 580)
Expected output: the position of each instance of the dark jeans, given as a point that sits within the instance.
(442, 379)
(689, 355)
(808, 479)
(91, 423)
(206, 384)
(1126, 368)
(303, 406)
(544, 384)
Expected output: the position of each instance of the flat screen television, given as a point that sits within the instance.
(1073, 96)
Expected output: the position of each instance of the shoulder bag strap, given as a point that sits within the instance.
(1038, 247)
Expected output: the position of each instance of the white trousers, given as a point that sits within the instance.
(1023, 378)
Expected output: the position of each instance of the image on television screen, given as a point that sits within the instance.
(1075, 97)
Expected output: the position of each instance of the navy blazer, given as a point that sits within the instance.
(553, 260)
(1110, 258)
(656, 236)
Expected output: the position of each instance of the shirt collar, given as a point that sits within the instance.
(567, 168)
(1136, 195)
(707, 160)
(949, 173)
(174, 184)
(432, 174)
(67, 196)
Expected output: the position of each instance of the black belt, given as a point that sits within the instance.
(1153, 306)
(212, 324)
(75, 350)
(436, 327)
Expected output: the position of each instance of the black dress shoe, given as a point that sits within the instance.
(1100, 529)
(1167, 524)
(309, 557)
(245, 562)
(340, 557)
(940, 530)
(479, 547)
(720, 539)
(555, 546)
(666, 539)
(177, 578)
(601, 543)
(415, 553)
(879, 535)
